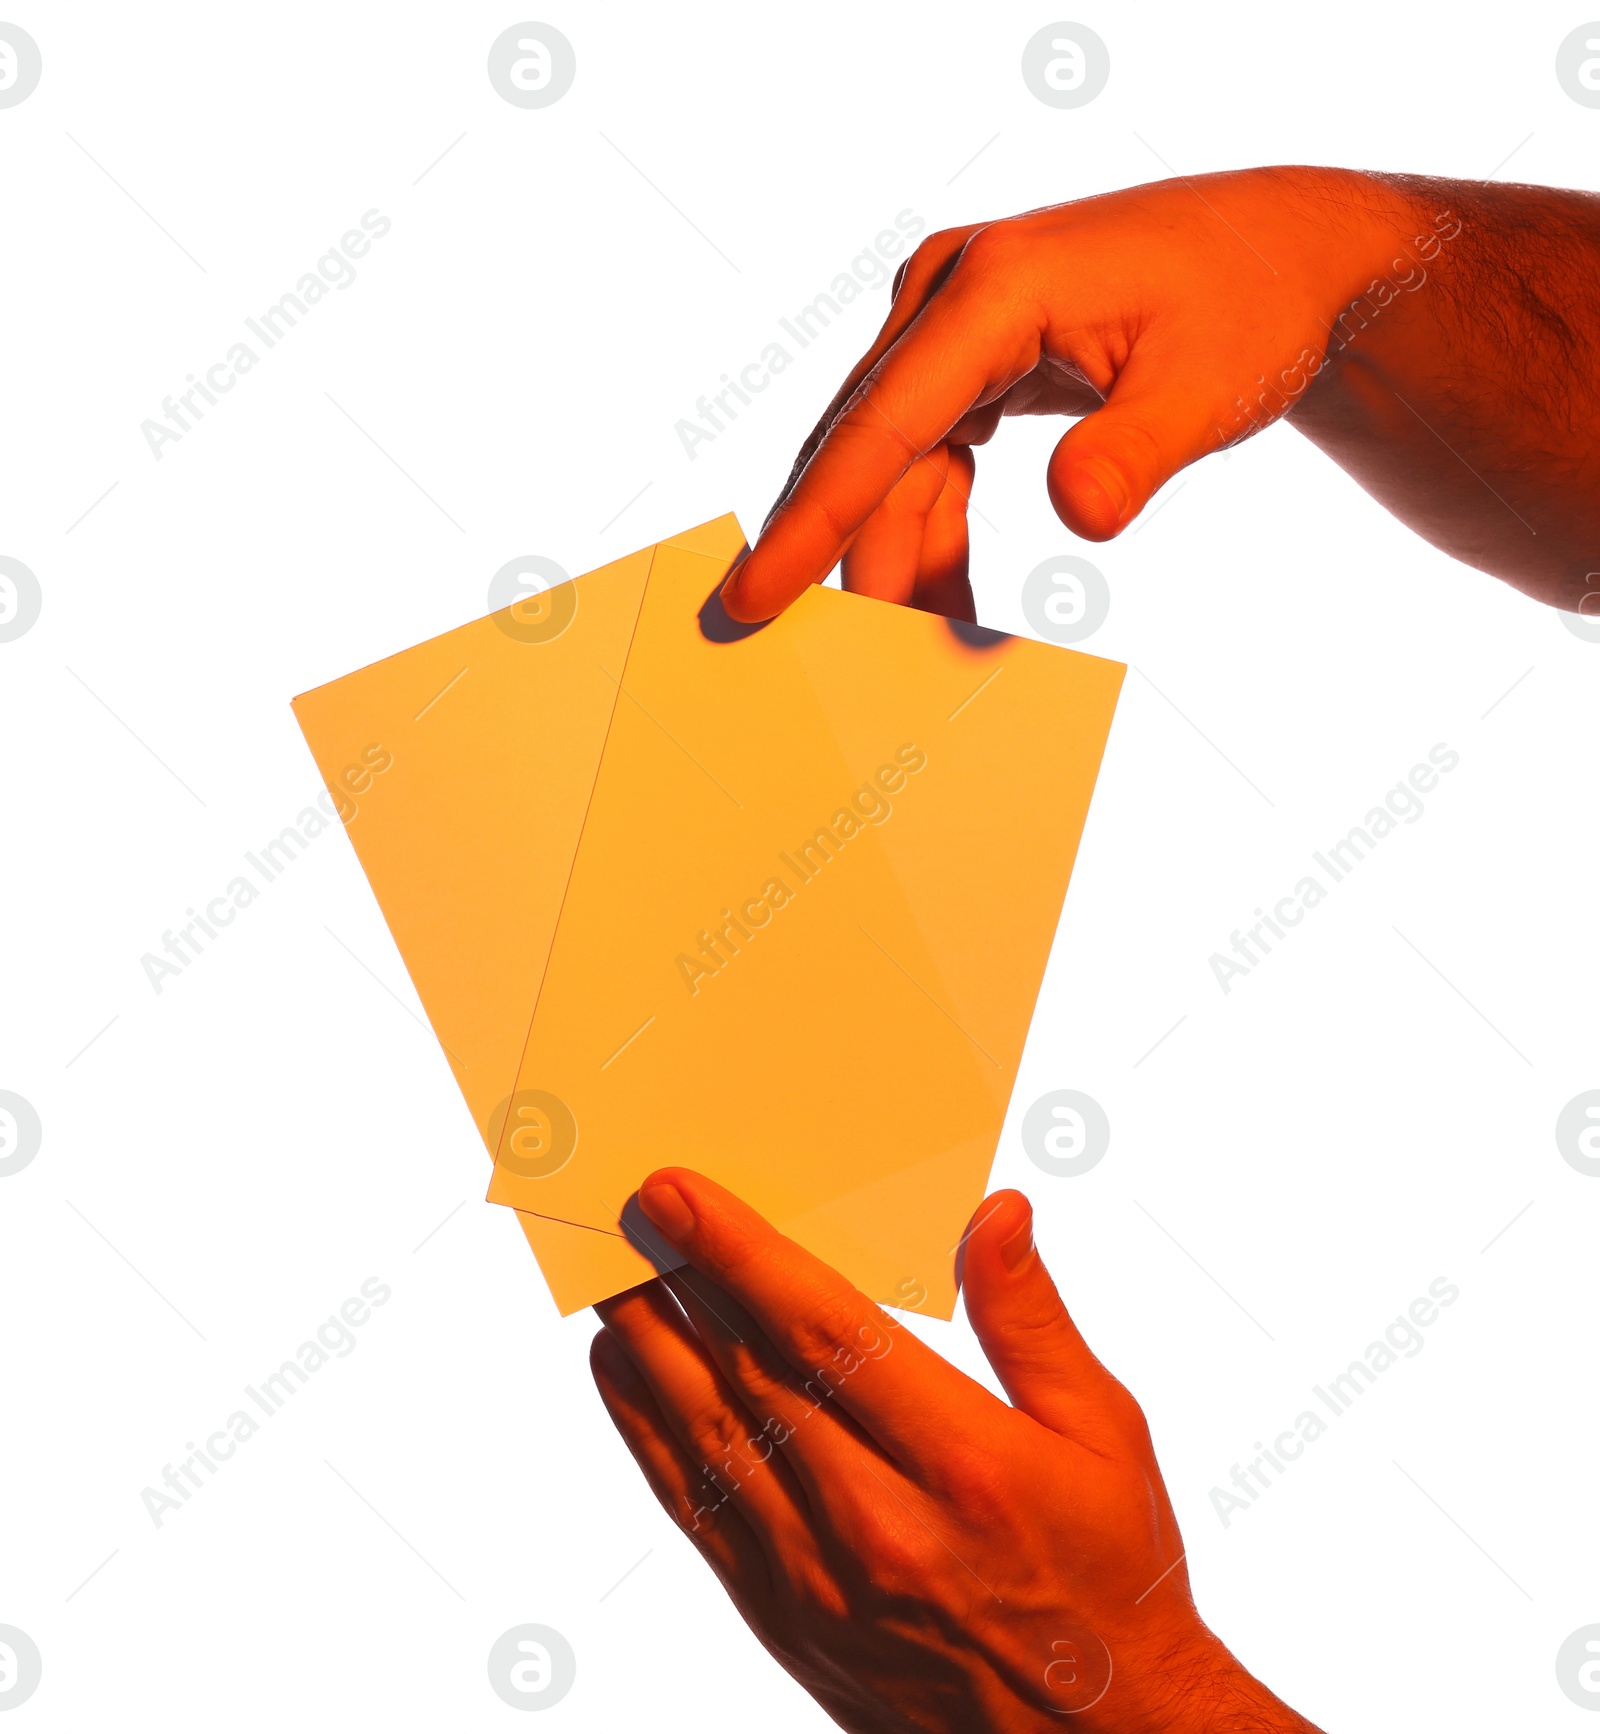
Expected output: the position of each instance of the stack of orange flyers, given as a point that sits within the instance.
(773, 903)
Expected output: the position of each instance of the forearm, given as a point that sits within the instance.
(1462, 390)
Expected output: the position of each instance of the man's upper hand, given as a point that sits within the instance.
(1440, 340)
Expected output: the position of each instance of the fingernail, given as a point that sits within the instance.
(664, 1204)
(1017, 1245)
(1111, 483)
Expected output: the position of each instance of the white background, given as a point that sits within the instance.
(1358, 1117)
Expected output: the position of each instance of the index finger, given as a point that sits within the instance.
(962, 349)
(919, 278)
(910, 1400)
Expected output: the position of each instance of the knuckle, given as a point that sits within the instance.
(764, 1381)
(836, 521)
(932, 251)
(902, 1558)
(993, 247)
(722, 1440)
(724, 1249)
(868, 428)
(1113, 1420)
(1128, 1417)
(975, 1479)
(836, 1333)
(930, 259)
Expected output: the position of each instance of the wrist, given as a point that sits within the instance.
(1192, 1685)
(1371, 242)
(1357, 233)
(1207, 1690)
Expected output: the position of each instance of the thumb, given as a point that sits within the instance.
(1156, 421)
(1046, 1367)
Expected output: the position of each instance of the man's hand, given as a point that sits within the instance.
(1438, 339)
(917, 1553)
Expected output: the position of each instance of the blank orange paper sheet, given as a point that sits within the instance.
(771, 903)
